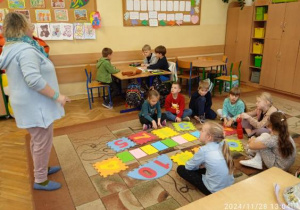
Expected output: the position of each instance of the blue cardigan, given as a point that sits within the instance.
(28, 71)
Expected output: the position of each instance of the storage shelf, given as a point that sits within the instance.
(260, 20)
(254, 67)
(257, 38)
(255, 54)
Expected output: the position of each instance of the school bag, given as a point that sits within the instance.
(162, 89)
(134, 96)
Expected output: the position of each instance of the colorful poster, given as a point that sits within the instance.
(78, 3)
(37, 3)
(16, 4)
(56, 31)
(3, 12)
(80, 14)
(24, 12)
(89, 31)
(43, 15)
(61, 15)
(58, 3)
(67, 31)
(78, 31)
(44, 31)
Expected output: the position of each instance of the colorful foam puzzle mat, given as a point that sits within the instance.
(165, 132)
(149, 149)
(159, 146)
(196, 134)
(142, 137)
(184, 126)
(125, 156)
(154, 169)
(169, 142)
(179, 139)
(189, 137)
(110, 166)
(182, 158)
(235, 145)
(138, 153)
(120, 144)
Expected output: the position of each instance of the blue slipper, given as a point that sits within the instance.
(49, 187)
(53, 169)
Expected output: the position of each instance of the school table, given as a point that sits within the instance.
(126, 67)
(203, 64)
(256, 192)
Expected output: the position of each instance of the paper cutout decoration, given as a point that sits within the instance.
(171, 23)
(179, 139)
(120, 144)
(110, 166)
(134, 22)
(169, 143)
(195, 19)
(78, 3)
(125, 156)
(144, 22)
(138, 153)
(142, 137)
(184, 126)
(159, 146)
(162, 23)
(229, 131)
(126, 16)
(16, 4)
(196, 134)
(165, 132)
(95, 19)
(189, 137)
(182, 158)
(154, 169)
(195, 149)
(235, 145)
(179, 22)
(149, 149)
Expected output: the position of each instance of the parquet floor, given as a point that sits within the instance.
(15, 187)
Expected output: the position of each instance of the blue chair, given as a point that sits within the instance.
(90, 85)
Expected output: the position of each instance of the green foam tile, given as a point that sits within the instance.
(169, 142)
(125, 156)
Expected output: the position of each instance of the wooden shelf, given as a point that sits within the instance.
(260, 20)
(255, 54)
(254, 67)
(257, 38)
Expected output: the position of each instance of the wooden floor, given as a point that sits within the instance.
(15, 187)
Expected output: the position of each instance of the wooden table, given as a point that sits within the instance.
(203, 64)
(256, 192)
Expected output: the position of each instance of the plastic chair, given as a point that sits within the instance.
(186, 72)
(90, 85)
(234, 67)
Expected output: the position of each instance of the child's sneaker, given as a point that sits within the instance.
(186, 119)
(202, 119)
(164, 123)
(107, 105)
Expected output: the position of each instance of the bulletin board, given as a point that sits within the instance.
(161, 12)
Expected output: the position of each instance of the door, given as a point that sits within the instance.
(286, 65)
(296, 82)
(275, 21)
(291, 25)
(269, 64)
(231, 34)
(243, 41)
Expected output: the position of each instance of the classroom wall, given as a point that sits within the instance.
(211, 31)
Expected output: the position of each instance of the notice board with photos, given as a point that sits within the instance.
(161, 12)
(54, 19)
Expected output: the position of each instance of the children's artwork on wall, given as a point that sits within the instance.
(235, 145)
(184, 126)
(56, 31)
(89, 31)
(16, 4)
(165, 132)
(44, 31)
(78, 31)
(110, 166)
(182, 158)
(43, 15)
(25, 13)
(67, 31)
(1, 27)
(3, 12)
(58, 3)
(61, 15)
(95, 19)
(142, 137)
(80, 14)
(35, 32)
(154, 169)
(120, 144)
(37, 3)
(78, 3)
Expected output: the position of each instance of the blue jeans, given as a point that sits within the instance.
(172, 117)
(203, 109)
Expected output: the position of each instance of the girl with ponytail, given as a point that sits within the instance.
(211, 168)
(274, 149)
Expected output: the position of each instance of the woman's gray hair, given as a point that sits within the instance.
(15, 25)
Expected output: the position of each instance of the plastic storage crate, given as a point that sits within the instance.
(257, 48)
(255, 75)
(259, 33)
(260, 11)
(257, 61)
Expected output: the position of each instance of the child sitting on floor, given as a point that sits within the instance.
(150, 57)
(211, 168)
(233, 106)
(175, 104)
(276, 149)
(201, 103)
(147, 115)
(264, 108)
(104, 71)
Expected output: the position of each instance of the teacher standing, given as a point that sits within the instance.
(34, 93)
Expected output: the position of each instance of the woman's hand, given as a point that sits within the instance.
(62, 99)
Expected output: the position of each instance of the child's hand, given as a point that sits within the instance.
(178, 119)
(154, 125)
(177, 111)
(229, 123)
(143, 64)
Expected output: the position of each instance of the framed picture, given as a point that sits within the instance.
(80, 14)
(16, 4)
(43, 15)
(61, 15)
(58, 3)
(3, 12)
(37, 3)
(24, 12)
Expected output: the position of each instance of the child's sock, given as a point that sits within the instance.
(44, 183)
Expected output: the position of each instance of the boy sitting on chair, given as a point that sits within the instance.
(150, 57)
(104, 71)
(162, 62)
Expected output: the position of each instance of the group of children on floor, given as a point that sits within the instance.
(211, 168)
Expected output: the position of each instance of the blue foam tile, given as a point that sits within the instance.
(159, 146)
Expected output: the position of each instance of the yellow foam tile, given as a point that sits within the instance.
(149, 149)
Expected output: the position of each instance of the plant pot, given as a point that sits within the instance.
(248, 2)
